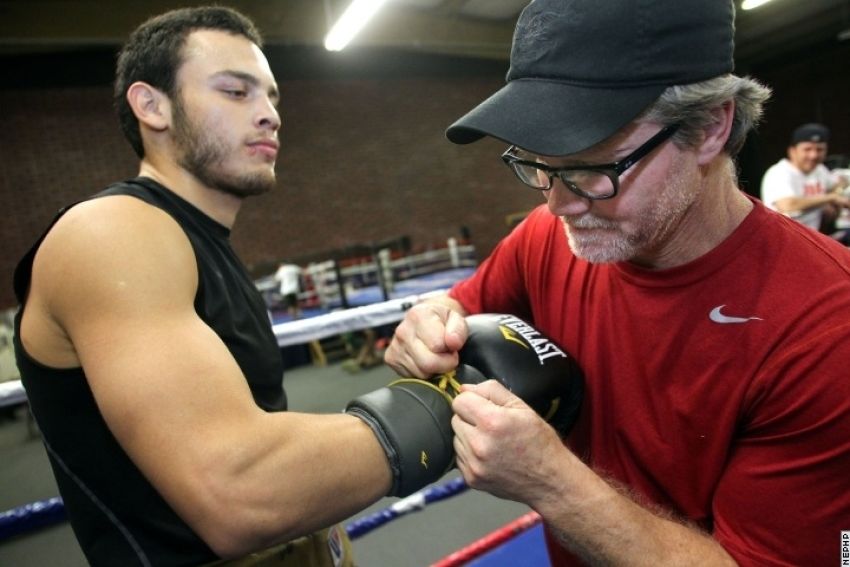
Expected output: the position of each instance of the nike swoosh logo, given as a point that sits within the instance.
(719, 317)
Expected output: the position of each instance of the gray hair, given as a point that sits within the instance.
(691, 106)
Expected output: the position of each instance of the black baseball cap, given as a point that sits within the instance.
(582, 69)
(811, 132)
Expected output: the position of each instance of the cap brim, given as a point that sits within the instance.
(552, 118)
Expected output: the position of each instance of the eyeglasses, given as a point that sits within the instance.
(588, 181)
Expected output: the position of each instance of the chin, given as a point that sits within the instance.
(603, 249)
(247, 185)
(599, 252)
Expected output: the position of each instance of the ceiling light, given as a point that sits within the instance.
(358, 13)
(750, 4)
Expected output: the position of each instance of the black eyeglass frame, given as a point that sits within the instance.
(611, 170)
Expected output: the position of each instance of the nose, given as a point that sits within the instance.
(563, 202)
(268, 117)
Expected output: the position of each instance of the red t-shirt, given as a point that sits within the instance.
(719, 389)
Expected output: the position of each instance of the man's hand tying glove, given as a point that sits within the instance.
(412, 418)
(526, 362)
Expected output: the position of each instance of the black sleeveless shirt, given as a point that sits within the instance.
(117, 515)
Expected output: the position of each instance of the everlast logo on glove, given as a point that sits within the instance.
(540, 372)
(511, 326)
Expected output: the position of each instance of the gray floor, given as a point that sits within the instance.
(419, 538)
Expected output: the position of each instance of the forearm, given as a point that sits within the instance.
(290, 475)
(604, 525)
(791, 205)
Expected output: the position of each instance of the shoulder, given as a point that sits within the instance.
(116, 226)
(114, 246)
(789, 251)
(778, 171)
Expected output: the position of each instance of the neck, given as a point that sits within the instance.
(717, 210)
(221, 207)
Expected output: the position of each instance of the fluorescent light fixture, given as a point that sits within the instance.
(750, 4)
(358, 13)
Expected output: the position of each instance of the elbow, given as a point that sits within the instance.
(232, 533)
(227, 545)
(220, 520)
(227, 532)
(233, 543)
(238, 535)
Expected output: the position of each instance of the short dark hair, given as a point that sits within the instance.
(153, 54)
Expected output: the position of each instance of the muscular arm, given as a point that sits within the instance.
(500, 446)
(116, 280)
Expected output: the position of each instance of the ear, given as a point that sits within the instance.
(716, 133)
(150, 105)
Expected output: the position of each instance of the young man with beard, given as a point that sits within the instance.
(712, 331)
(145, 349)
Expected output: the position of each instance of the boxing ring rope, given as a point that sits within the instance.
(303, 331)
(31, 517)
(413, 503)
(12, 393)
(490, 541)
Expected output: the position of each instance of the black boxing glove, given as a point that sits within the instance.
(412, 420)
(526, 362)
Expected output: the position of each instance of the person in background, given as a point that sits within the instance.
(800, 185)
(289, 278)
(713, 332)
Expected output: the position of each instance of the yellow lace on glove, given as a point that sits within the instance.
(448, 383)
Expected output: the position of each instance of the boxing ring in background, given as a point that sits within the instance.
(384, 300)
(363, 291)
(519, 542)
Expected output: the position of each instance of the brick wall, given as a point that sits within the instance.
(361, 160)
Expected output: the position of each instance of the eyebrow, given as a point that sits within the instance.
(251, 80)
(563, 161)
(603, 147)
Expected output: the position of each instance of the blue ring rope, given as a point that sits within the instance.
(413, 503)
(37, 515)
(31, 517)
